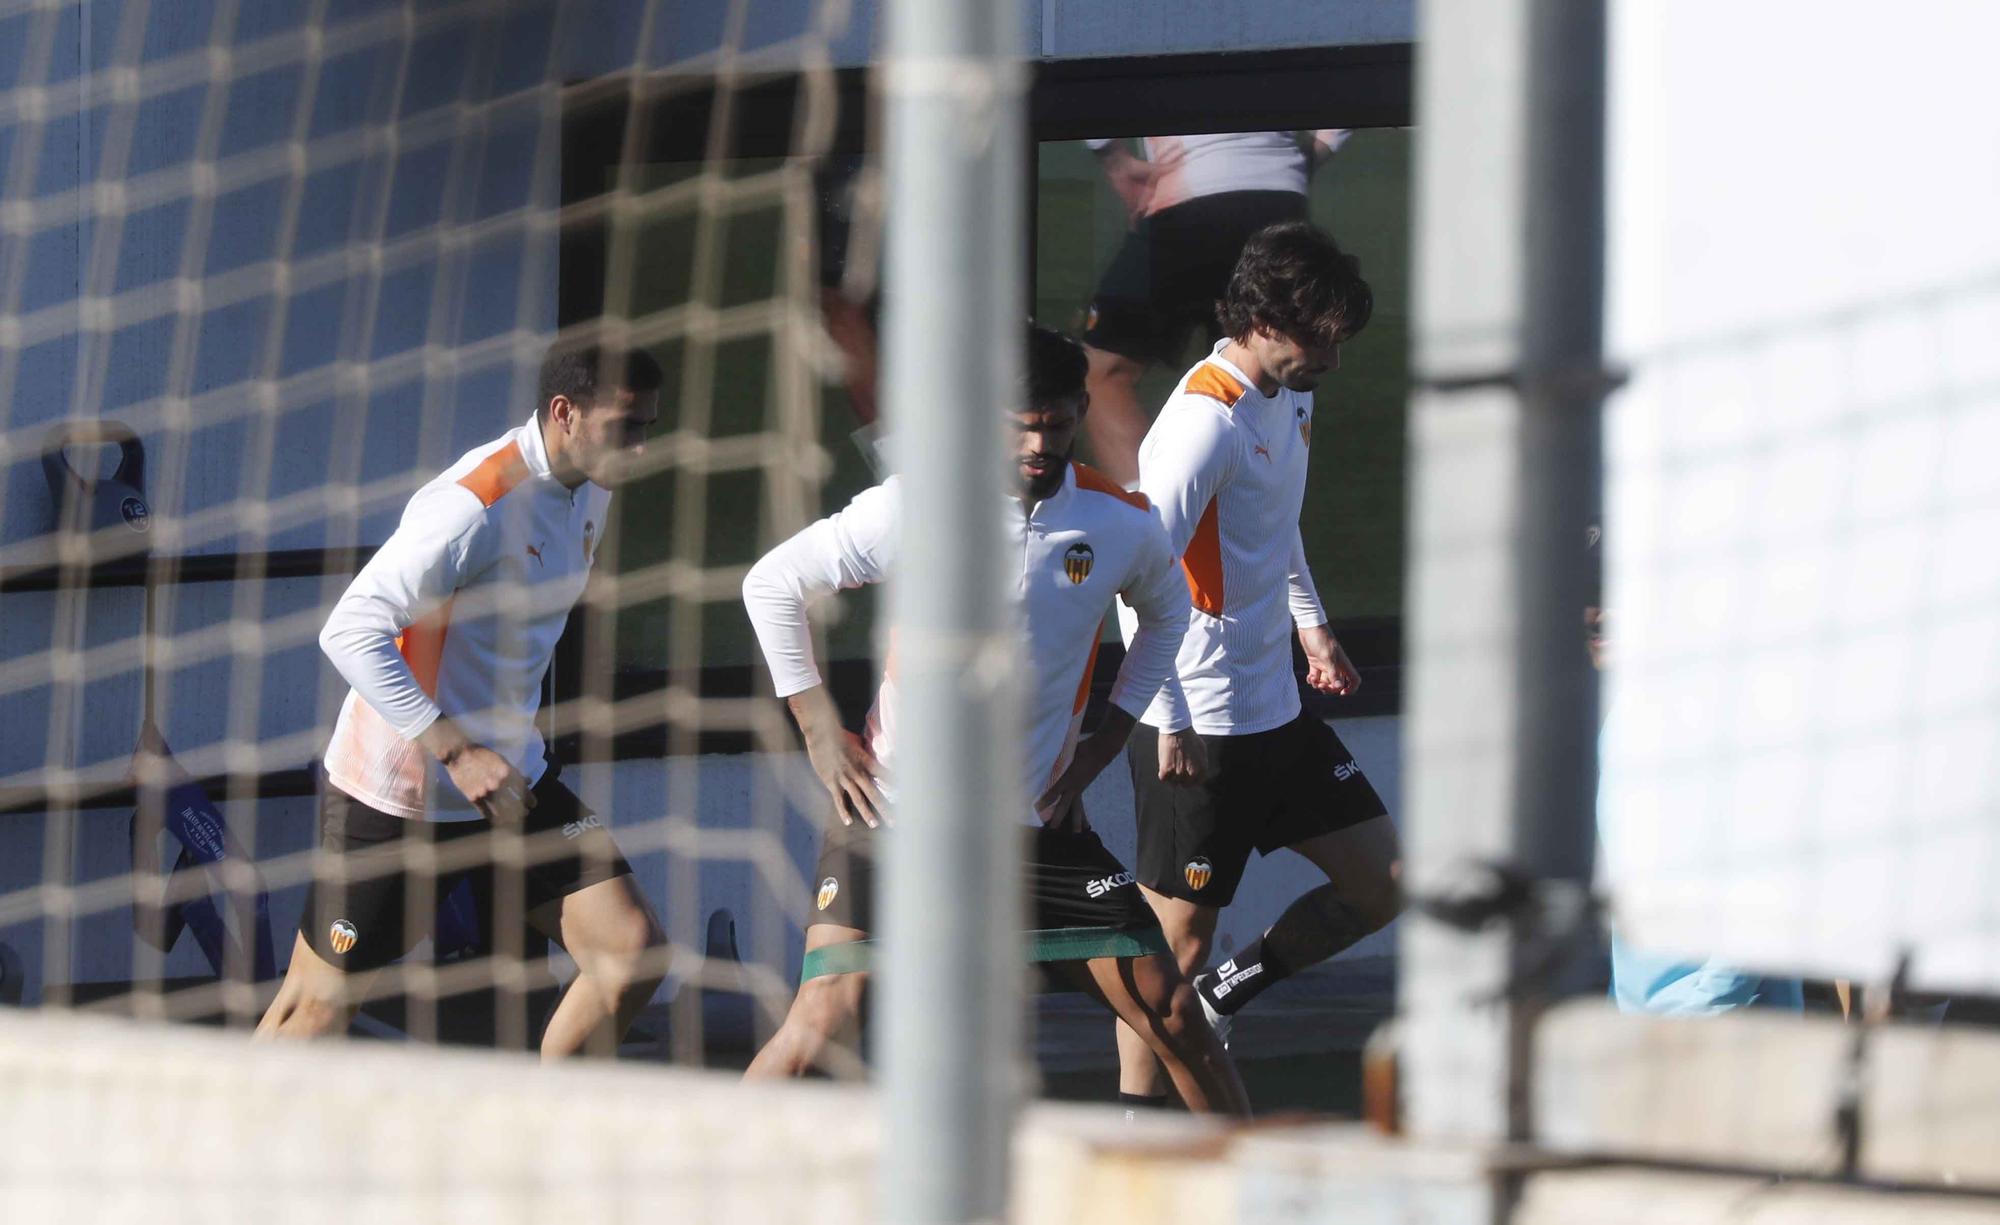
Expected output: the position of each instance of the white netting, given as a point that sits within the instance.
(303, 257)
(1801, 509)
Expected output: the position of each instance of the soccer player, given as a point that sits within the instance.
(1082, 543)
(436, 769)
(1194, 201)
(1225, 465)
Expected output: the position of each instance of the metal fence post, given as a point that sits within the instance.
(949, 1039)
(1500, 723)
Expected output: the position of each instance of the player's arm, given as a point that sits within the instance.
(1324, 144)
(1157, 599)
(437, 546)
(1327, 667)
(1133, 178)
(843, 551)
(1189, 456)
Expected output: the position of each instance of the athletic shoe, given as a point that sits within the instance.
(1221, 1023)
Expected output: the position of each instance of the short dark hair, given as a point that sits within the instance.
(1292, 279)
(578, 369)
(1057, 366)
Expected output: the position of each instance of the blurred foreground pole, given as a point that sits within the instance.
(948, 1041)
(1501, 718)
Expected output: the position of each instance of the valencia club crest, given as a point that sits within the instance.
(1199, 871)
(1077, 561)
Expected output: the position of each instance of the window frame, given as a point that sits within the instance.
(675, 117)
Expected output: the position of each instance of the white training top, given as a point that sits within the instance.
(1225, 466)
(1193, 166)
(458, 614)
(1080, 548)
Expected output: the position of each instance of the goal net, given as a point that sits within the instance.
(269, 269)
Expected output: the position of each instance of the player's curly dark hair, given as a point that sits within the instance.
(1293, 280)
(1056, 366)
(577, 369)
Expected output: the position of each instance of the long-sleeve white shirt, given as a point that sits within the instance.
(1193, 166)
(1225, 467)
(458, 613)
(1080, 550)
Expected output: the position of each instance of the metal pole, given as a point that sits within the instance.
(1500, 724)
(949, 1039)
(1562, 395)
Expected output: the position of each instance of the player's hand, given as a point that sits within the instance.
(490, 781)
(1061, 806)
(1133, 179)
(496, 789)
(845, 764)
(1183, 760)
(1327, 667)
(847, 769)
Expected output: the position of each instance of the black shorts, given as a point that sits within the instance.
(1166, 277)
(373, 896)
(1264, 791)
(1072, 880)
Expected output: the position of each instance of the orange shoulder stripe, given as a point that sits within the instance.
(496, 474)
(1214, 382)
(1089, 670)
(422, 645)
(1090, 478)
(1203, 564)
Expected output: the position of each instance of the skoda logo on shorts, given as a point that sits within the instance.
(829, 889)
(342, 936)
(1198, 872)
(1077, 562)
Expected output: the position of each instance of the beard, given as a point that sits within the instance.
(1302, 379)
(1043, 485)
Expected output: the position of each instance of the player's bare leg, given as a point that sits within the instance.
(1116, 424)
(1154, 1003)
(826, 1011)
(1190, 930)
(315, 999)
(1363, 867)
(620, 955)
(1362, 894)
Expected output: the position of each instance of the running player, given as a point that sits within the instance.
(1225, 464)
(1194, 201)
(1083, 543)
(436, 769)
